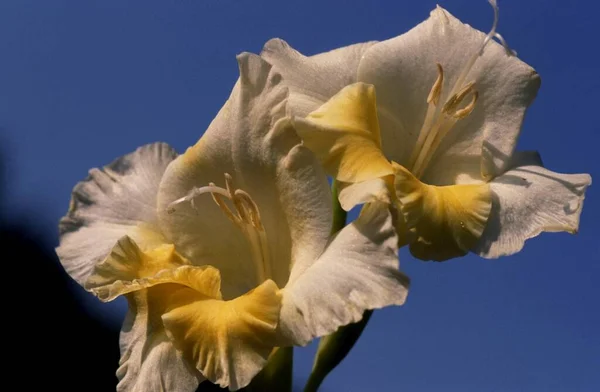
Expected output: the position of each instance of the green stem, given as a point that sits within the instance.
(333, 349)
(277, 374)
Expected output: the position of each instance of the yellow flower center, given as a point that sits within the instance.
(237, 205)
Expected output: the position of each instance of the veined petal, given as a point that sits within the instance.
(149, 360)
(117, 200)
(312, 80)
(344, 135)
(447, 220)
(529, 199)
(357, 271)
(128, 269)
(228, 341)
(403, 71)
(252, 140)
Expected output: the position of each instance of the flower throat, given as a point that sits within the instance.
(440, 119)
(246, 217)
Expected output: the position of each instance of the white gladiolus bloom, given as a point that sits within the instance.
(440, 138)
(225, 252)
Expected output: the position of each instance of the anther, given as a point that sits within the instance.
(455, 100)
(250, 208)
(464, 112)
(436, 89)
(218, 199)
(229, 184)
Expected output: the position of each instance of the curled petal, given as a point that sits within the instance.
(364, 192)
(229, 342)
(357, 271)
(313, 79)
(344, 135)
(447, 220)
(529, 199)
(117, 200)
(149, 360)
(128, 269)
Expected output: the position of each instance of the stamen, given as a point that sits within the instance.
(438, 122)
(194, 193)
(218, 199)
(246, 218)
(446, 120)
(425, 158)
(430, 116)
(229, 184)
(251, 208)
(436, 89)
(457, 98)
(464, 112)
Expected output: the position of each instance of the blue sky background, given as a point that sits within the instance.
(83, 82)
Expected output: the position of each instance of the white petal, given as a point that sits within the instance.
(252, 140)
(149, 360)
(403, 70)
(364, 192)
(313, 79)
(357, 271)
(117, 200)
(529, 199)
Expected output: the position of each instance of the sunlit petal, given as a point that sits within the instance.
(528, 200)
(448, 220)
(344, 135)
(313, 79)
(352, 194)
(117, 200)
(357, 271)
(228, 341)
(128, 269)
(149, 360)
(403, 71)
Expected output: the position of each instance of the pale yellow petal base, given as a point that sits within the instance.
(446, 221)
(228, 342)
(344, 135)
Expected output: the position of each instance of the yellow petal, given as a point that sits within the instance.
(129, 269)
(446, 220)
(344, 135)
(228, 341)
